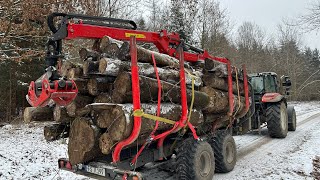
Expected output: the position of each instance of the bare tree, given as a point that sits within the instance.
(212, 26)
(311, 20)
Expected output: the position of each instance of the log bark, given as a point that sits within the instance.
(98, 85)
(60, 115)
(76, 72)
(83, 141)
(213, 81)
(219, 101)
(87, 54)
(37, 114)
(78, 106)
(81, 85)
(114, 67)
(149, 91)
(144, 55)
(118, 119)
(103, 98)
(56, 131)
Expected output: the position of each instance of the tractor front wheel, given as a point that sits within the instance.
(292, 120)
(277, 120)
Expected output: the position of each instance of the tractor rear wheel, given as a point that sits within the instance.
(292, 120)
(225, 152)
(195, 160)
(277, 120)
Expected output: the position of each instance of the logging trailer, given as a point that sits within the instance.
(195, 154)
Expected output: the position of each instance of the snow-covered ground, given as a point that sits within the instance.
(24, 153)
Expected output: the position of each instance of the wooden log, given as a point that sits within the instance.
(103, 98)
(78, 106)
(76, 72)
(90, 67)
(106, 41)
(60, 115)
(37, 114)
(114, 67)
(83, 141)
(56, 131)
(106, 143)
(98, 85)
(144, 55)
(87, 54)
(66, 66)
(118, 119)
(103, 64)
(81, 85)
(209, 79)
(219, 101)
(149, 91)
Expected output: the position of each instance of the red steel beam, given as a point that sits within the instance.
(136, 102)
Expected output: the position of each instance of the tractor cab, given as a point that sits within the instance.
(267, 87)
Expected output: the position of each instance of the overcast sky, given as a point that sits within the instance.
(269, 13)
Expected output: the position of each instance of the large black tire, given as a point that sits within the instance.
(225, 152)
(292, 119)
(277, 120)
(195, 160)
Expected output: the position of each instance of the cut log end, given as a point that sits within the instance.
(83, 141)
(37, 114)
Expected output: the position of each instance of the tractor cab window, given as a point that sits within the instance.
(270, 84)
(257, 84)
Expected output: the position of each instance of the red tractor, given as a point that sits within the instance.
(269, 94)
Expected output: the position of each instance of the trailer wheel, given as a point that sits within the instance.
(225, 152)
(195, 160)
(292, 120)
(277, 120)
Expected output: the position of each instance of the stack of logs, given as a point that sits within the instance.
(101, 114)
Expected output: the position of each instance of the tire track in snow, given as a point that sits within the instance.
(249, 148)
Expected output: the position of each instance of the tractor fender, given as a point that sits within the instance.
(272, 97)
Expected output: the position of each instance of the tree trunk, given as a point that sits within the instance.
(213, 81)
(144, 55)
(83, 141)
(37, 114)
(98, 85)
(60, 115)
(118, 119)
(56, 131)
(77, 107)
(149, 91)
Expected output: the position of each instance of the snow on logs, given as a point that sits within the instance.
(104, 79)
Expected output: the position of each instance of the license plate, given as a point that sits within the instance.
(94, 170)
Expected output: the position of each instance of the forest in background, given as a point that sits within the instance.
(203, 23)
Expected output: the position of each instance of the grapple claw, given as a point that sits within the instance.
(62, 92)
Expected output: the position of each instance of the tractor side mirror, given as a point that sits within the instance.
(287, 82)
